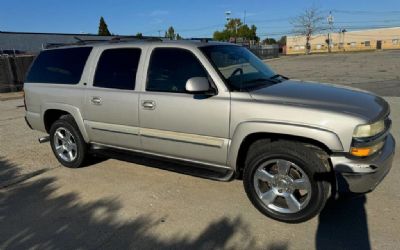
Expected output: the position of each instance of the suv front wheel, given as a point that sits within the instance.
(285, 180)
(67, 142)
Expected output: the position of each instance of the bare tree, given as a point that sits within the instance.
(308, 23)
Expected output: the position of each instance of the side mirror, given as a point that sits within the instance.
(199, 85)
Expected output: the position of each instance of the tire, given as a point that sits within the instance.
(73, 141)
(287, 181)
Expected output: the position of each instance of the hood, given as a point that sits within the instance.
(325, 96)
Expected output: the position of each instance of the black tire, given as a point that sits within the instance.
(312, 161)
(68, 122)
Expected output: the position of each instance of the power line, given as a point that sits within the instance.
(365, 12)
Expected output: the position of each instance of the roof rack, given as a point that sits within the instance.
(113, 39)
(201, 39)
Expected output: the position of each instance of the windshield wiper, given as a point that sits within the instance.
(261, 80)
(278, 75)
(257, 83)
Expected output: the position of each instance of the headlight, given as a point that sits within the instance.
(369, 129)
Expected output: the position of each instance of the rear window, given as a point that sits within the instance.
(59, 66)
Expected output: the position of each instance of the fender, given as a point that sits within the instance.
(74, 111)
(244, 129)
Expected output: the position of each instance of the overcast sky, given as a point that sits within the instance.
(189, 18)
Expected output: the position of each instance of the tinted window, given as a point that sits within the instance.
(117, 69)
(59, 66)
(170, 68)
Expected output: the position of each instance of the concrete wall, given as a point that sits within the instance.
(348, 41)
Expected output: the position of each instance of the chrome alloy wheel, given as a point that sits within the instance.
(65, 144)
(282, 186)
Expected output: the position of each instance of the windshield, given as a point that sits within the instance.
(241, 69)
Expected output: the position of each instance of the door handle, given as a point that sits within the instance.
(96, 100)
(148, 104)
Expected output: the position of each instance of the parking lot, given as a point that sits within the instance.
(141, 203)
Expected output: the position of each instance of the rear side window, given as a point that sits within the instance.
(117, 69)
(59, 66)
(170, 68)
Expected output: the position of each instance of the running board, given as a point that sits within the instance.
(164, 163)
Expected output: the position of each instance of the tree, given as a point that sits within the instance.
(170, 33)
(178, 37)
(282, 41)
(308, 23)
(103, 29)
(139, 35)
(268, 41)
(236, 29)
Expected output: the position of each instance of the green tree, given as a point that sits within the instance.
(236, 29)
(178, 37)
(268, 41)
(103, 29)
(282, 41)
(170, 33)
(139, 35)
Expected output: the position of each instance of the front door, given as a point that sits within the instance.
(379, 44)
(111, 102)
(179, 124)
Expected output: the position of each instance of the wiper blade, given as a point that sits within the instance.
(260, 80)
(278, 75)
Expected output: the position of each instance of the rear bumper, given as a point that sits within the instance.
(363, 175)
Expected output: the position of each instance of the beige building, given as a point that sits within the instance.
(373, 39)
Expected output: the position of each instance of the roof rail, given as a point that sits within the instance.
(113, 39)
(201, 39)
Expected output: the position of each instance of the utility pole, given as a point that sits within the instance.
(159, 33)
(330, 22)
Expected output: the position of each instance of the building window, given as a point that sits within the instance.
(319, 46)
(353, 44)
(395, 41)
(367, 43)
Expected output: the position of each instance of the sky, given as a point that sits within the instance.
(189, 18)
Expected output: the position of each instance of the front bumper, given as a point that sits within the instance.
(363, 175)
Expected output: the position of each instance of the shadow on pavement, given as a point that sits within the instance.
(33, 214)
(343, 225)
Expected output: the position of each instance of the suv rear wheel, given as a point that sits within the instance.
(285, 180)
(67, 142)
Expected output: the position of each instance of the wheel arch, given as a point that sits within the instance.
(248, 133)
(53, 111)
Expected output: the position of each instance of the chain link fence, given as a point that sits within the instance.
(265, 51)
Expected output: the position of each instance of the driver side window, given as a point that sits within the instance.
(170, 68)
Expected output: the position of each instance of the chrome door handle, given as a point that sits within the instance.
(147, 104)
(96, 100)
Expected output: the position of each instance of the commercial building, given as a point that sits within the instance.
(29, 42)
(363, 40)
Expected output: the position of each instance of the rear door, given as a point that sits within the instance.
(180, 124)
(111, 102)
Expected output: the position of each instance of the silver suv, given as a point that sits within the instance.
(213, 105)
